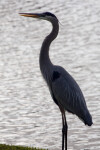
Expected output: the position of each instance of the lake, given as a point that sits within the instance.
(28, 115)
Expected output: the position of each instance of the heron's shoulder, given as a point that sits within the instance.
(57, 72)
(55, 75)
(60, 72)
(63, 76)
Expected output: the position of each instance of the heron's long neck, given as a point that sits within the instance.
(45, 62)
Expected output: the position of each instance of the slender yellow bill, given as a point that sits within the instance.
(29, 15)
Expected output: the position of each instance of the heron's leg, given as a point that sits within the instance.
(65, 130)
(62, 132)
(63, 126)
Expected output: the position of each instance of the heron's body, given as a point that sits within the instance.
(63, 88)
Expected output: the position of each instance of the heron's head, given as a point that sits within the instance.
(45, 16)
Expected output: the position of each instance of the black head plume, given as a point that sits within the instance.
(49, 14)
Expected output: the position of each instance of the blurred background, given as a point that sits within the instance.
(28, 115)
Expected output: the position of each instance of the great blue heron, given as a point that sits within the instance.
(63, 88)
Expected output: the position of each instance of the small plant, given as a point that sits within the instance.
(12, 147)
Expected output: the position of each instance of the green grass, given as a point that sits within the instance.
(12, 147)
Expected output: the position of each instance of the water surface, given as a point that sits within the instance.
(28, 115)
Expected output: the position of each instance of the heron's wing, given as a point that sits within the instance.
(67, 92)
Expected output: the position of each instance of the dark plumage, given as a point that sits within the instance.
(63, 88)
(55, 76)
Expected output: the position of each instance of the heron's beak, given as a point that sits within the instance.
(30, 15)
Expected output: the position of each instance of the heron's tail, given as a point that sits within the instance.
(86, 118)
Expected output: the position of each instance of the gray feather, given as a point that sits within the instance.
(68, 94)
